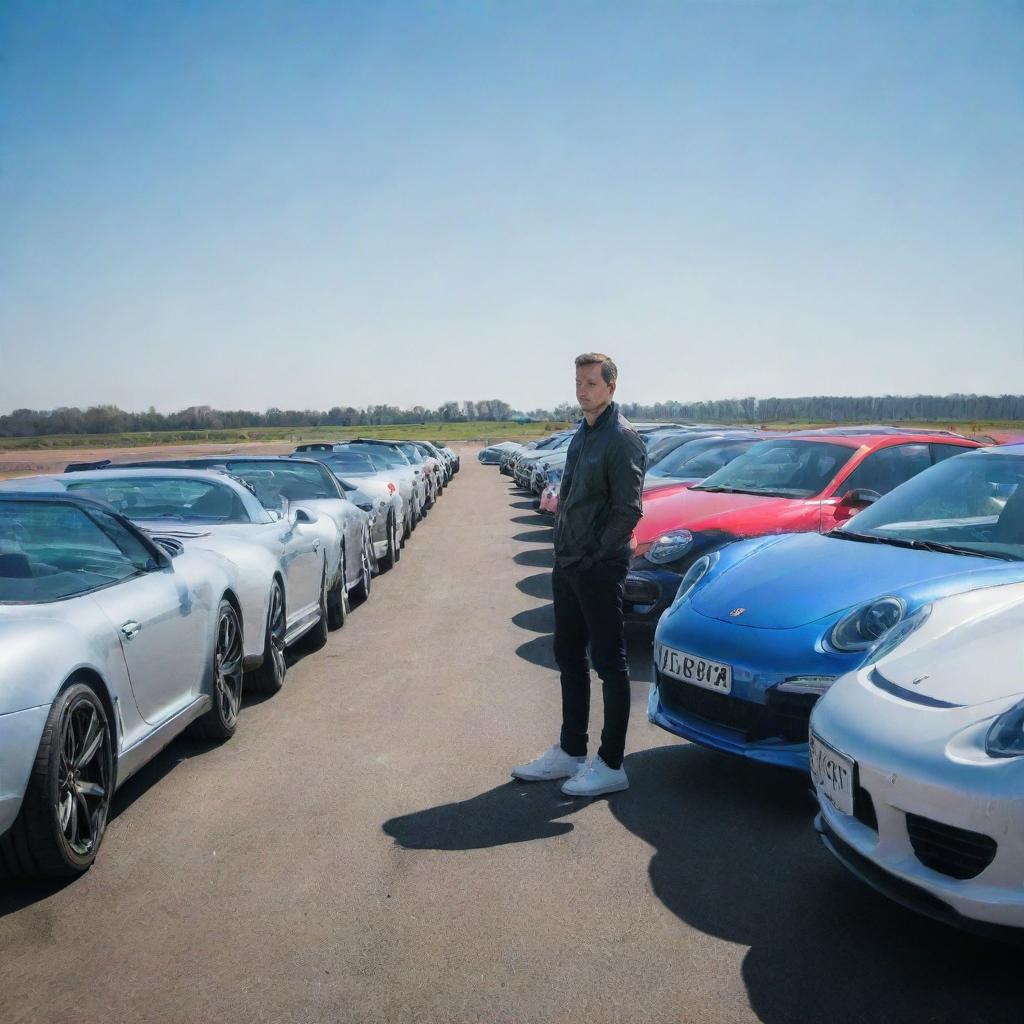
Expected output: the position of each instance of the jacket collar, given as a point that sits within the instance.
(610, 413)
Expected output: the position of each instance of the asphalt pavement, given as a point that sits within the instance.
(358, 852)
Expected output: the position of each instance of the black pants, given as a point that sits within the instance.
(588, 612)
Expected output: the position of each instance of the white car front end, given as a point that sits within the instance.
(917, 798)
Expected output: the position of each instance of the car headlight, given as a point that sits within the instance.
(865, 626)
(670, 546)
(693, 576)
(1005, 736)
(899, 633)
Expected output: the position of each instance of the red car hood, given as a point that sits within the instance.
(743, 514)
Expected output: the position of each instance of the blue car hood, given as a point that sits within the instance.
(805, 577)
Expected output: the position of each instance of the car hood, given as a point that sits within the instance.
(804, 577)
(677, 506)
(968, 652)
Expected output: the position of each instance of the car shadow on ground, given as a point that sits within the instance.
(536, 558)
(735, 856)
(537, 620)
(537, 519)
(538, 585)
(537, 536)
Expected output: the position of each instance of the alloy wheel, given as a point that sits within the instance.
(84, 779)
(228, 667)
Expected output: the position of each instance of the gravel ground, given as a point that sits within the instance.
(358, 853)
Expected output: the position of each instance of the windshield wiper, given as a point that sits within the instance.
(950, 549)
(918, 545)
(717, 489)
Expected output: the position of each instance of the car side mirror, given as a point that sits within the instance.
(853, 501)
(303, 516)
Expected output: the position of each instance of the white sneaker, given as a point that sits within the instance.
(596, 778)
(554, 763)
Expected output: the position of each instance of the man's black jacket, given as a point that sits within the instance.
(599, 501)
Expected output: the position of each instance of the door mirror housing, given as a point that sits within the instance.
(853, 501)
(303, 516)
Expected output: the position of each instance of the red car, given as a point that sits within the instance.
(795, 483)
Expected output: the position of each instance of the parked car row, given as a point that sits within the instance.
(141, 599)
(850, 603)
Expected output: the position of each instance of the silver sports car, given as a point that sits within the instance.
(281, 482)
(110, 645)
(285, 589)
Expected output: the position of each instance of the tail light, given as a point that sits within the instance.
(392, 488)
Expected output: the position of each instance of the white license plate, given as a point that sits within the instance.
(711, 675)
(833, 774)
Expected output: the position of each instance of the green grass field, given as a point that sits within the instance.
(488, 432)
(476, 431)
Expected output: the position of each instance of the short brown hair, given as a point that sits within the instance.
(609, 371)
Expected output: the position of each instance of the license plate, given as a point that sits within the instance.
(688, 668)
(833, 774)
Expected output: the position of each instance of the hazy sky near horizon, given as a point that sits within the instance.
(309, 204)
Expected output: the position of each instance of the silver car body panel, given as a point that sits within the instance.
(157, 681)
(260, 549)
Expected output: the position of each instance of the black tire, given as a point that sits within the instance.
(394, 551)
(63, 816)
(361, 591)
(269, 677)
(317, 636)
(220, 722)
(337, 602)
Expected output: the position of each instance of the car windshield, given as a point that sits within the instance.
(280, 481)
(786, 468)
(413, 453)
(659, 445)
(383, 456)
(348, 463)
(699, 459)
(972, 503)
(157, 497)
(50, 551)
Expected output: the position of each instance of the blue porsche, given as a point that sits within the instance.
(760, 629)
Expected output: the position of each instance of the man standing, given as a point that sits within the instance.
(599, 504)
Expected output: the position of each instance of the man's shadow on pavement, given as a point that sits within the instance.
(735, 856)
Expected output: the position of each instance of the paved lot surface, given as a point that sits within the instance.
(358, 852)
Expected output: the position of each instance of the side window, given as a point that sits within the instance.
(127, 543)
(888, 468)
(941, 452)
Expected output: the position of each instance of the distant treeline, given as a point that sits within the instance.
(109, 419)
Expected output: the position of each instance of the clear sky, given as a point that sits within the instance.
(308, 204)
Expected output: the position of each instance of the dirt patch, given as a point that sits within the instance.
(14, 464)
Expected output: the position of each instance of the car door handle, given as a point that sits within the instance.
(130, 630)
(316, 543)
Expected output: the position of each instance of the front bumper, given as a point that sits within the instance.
(937, 824)
(757, 720)
(20, 733)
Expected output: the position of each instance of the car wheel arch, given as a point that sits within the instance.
(95, 681)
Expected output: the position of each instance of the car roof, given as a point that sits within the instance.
(115, 472)
(1017, 448)
(876, 429)
(868, 439)
(55, 498)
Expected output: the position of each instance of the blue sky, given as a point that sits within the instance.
(310, 204)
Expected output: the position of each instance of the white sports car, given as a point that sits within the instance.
(284, 578)
(918, 763)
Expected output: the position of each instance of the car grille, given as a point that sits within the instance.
(785, 716)
(956, 852)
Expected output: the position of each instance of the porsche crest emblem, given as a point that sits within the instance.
(736, 613)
